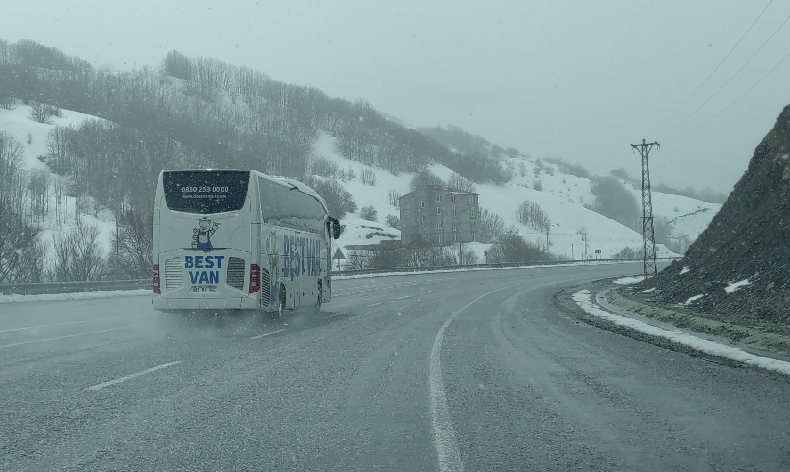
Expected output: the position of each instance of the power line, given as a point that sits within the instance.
(740, 97)
(714, 71)
(731, 77)
(680, 160)
(693, 158)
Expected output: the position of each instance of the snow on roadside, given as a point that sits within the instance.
(47, 297)
(584, 300)
(630, 280)
(733, 287)
(685, 270)
(692, 300)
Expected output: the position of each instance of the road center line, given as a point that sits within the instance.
(449, 456)
(268, 334)
(63, 337)
(132, 376)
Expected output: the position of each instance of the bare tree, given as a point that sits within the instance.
(512, 247)
(425, 178)
(358, 260)
(369, 213)
(43, 113)
(132, 246)
(369, 177)
(78, 254)
(11, 153)
(530, 213)
(458, 182)
(490, 226)
(19, 248)
(393, 197)
(392, 221)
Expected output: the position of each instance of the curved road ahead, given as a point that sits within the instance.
(478, 371)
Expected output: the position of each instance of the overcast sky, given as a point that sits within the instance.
(579, 79)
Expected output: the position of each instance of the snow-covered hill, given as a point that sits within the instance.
(561, 195)
(33, 137)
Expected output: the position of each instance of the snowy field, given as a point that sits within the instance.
(33, 137)
(562, 196)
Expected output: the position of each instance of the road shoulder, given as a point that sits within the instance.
(602, 304)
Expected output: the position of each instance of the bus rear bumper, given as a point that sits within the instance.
(245, 303)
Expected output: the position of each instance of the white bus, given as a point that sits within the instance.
(231, 239)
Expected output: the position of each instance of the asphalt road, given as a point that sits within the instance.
(470, 370)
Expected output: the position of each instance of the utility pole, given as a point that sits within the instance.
(648, 233)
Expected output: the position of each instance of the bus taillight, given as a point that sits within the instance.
(255, 278)
(157, 288)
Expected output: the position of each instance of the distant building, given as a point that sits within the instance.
(439, 216)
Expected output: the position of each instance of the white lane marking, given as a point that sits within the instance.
(375, 304)
(64, 324)
(132, 376)
(444, 440)
(268, 334)
(405, 296)
(64, 337)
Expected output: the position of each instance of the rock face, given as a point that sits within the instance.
(748, 239)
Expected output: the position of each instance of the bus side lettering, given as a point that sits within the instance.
(286, 254)
(296, 269)
(304, 254)
(301, 256)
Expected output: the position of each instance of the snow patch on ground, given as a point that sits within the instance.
(48, 297)
(733, 287)
(629, 280)
(692, 300)
(584, 300)
(649, 290)
(685, 270)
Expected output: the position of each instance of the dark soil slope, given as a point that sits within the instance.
(748, 239)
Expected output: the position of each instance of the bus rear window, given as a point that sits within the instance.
(206, 191)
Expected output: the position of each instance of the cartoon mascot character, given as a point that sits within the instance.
(201, 236)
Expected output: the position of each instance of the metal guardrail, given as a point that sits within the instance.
(487, 266)
(71, 287)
